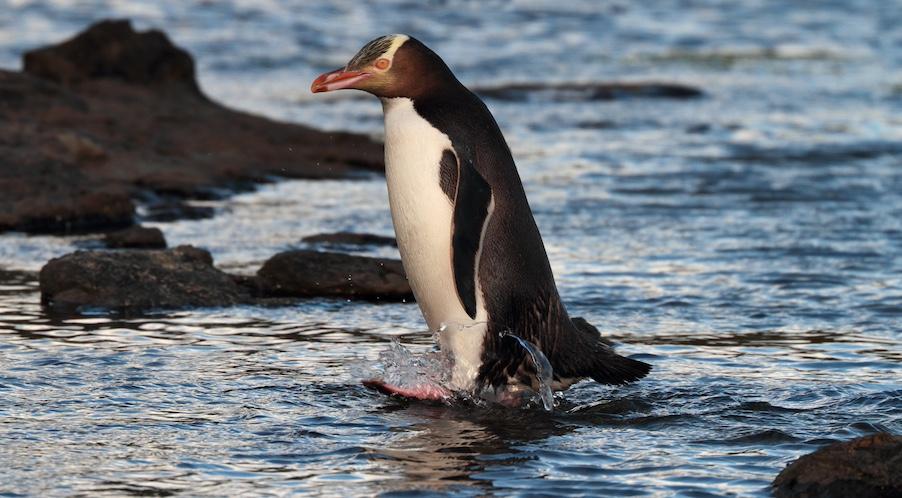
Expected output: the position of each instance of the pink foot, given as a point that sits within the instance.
(425, 392)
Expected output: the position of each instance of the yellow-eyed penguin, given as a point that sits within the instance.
(470, 246)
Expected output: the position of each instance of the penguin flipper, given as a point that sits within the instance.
(472, 199)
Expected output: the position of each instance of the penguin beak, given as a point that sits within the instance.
(338, 79)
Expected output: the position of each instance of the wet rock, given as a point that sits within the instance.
(569, 92)
(351, 239)
(97, 120)
(311, 273)
(867, 467)
(136, 237)
(134, 280)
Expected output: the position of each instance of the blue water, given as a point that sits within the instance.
(748, 244)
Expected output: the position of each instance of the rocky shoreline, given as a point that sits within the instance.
(113, 117)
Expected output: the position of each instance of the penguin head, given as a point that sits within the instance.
(389, 66)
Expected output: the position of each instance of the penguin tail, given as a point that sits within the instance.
(611, 368)
(602, 364)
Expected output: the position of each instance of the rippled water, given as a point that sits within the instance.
(748, 244)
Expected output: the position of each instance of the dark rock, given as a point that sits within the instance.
(567, 92)
(97, 120)
(136, 237)
(137, 280)
(311, 273)
(867, 467)
(133, 280)
(112, 49)
(351, 239)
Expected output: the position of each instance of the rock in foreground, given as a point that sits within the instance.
(132, 280)
(136, 237)
(867, 467)
(311, 273)
(137, 280)
(97, 120)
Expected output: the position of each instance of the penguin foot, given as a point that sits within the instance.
(430, 392)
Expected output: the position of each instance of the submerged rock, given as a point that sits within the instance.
(97, 120)
(867, 467)
(566, 92)
(136, 237)
(351, 239)
(137, 280)
(311, 273)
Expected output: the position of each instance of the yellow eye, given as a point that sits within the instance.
(382, 64)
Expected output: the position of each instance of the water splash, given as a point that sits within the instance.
(401, 367)
(544, 371)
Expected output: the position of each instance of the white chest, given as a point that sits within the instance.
(422, 215)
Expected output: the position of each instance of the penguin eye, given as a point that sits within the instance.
(382, 64)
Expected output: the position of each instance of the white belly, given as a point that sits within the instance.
(422, 216)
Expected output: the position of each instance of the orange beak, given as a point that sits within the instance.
(336, 80)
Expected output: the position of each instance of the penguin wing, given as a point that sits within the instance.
(472, 198)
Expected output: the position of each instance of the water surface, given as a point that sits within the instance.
(748, 244)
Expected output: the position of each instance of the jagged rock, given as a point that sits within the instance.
(867, 467)
(351, 239)
(311, 273)
(136, 237)
(135, 280)
(112, 49)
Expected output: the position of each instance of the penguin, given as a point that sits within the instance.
(469, 244)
